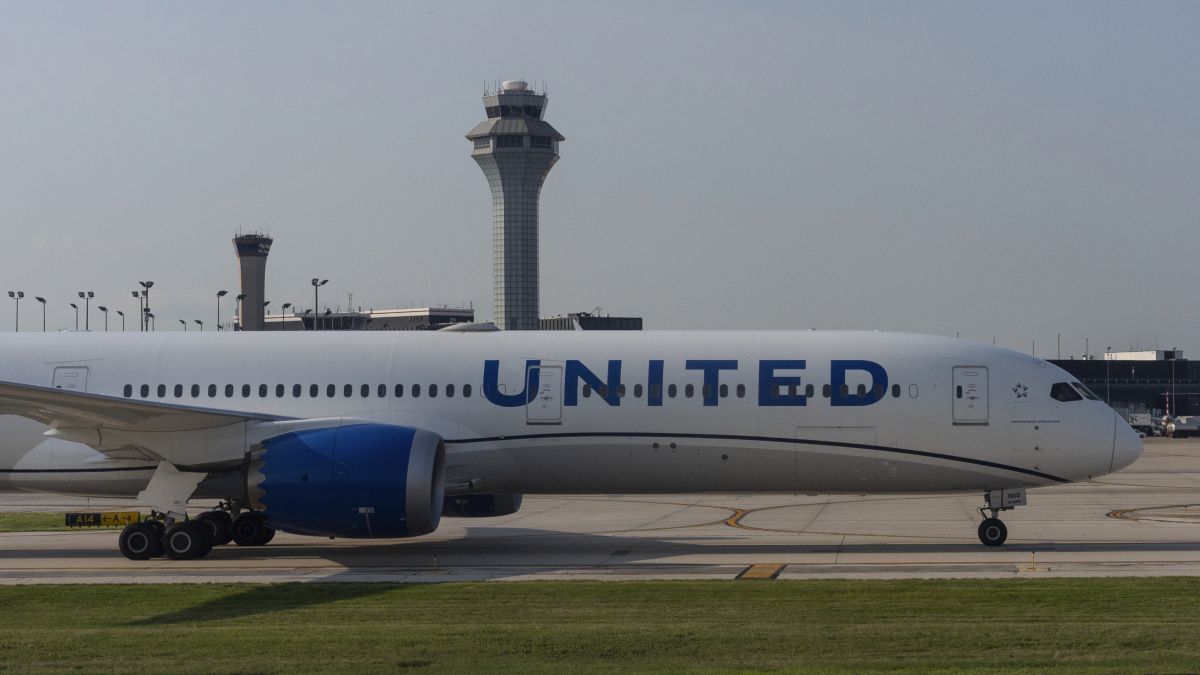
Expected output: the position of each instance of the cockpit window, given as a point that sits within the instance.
(1087, 393)
(1061, 391)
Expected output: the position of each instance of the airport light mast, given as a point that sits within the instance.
(515, 148)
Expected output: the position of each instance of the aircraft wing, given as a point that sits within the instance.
(123, 427)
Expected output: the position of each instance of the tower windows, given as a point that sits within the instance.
(540, 142)
(510, 141)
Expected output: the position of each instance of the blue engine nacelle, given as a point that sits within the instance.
(356, 480)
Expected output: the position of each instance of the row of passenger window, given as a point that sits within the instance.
(449, 391)
(689, 391)
(297, 391)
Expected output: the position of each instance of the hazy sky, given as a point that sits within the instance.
(1015, 170)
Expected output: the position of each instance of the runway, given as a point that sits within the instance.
(1143, 521)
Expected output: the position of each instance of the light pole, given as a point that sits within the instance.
(151, 320)
(16, 296)
(283, 315)
(122, 320)
(317, 284)
(306, 313)
(1107, 381)
(220, 294)
(146, 286)
(240, 297)
(199, 323)
(104, 309)
(266, 311)
(76, 308)
(184, 322)
(87, 296)
(43, 301)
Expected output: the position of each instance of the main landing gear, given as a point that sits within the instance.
(196, 537)
(992, 531)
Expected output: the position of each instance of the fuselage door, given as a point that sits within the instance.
(546, 406)
(71, 378)
(970, 395)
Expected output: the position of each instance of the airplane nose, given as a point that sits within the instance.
(1127, 447)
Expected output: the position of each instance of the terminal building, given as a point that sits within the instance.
(415, 318)
(589, 321)
(1158, 382)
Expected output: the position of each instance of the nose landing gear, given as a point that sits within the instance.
(992, 531)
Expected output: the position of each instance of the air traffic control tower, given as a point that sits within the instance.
(515, 148)
(252, 250)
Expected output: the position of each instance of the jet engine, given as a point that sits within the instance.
(358, 480)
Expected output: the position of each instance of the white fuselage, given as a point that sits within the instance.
(952, 416)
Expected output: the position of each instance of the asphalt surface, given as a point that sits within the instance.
(1143, 521)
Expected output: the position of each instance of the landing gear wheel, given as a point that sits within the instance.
(187, 540)
(219, 524)
(250, 529)
(992, 532)
(140, 541)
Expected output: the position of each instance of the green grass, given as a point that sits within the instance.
(1064, 625)
(23, 521)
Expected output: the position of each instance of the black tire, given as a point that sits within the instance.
(187, 541)
(218, 523)
(992, 532)
(250, 529)
(268, 536)
(140, 541)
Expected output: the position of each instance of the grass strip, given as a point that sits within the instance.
(937, 626)
(32, 521)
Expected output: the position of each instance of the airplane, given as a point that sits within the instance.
(380, 434)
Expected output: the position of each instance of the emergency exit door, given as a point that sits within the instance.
(546, 406)
(71, 378)
(970, 395)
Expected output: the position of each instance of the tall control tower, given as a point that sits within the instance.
(252, 250)
(515, 148)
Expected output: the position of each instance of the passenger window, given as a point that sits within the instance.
(689, 391)
(466, 391)
(416, 391)
(862, 390)
(706, 390)
(229, 391)
(280, 390)
(245, 391)
(383, 391)
(587, 391)
(844, 390)
(399, 391)
(179, 391)
(637, 391)
(145, 390)
(621, 391)
(433, 391)
(879, 391)
(263, 390)
(724, 390)
(741, 391)
(671, 391)
(826, 390)
(128, 390)
(1061, 391)
(958, 391)
(656, 391)
(603, 391)
(162, 391)
(895, 391)
(912, 391)
(212, 391)
(297, 390)
(195, 391)
(364, 391)
(348, 390)
(449, 391)
(314, 390)
(330, 390)
(808, 390)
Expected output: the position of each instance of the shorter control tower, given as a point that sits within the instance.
(515, 148)
(252, 250)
